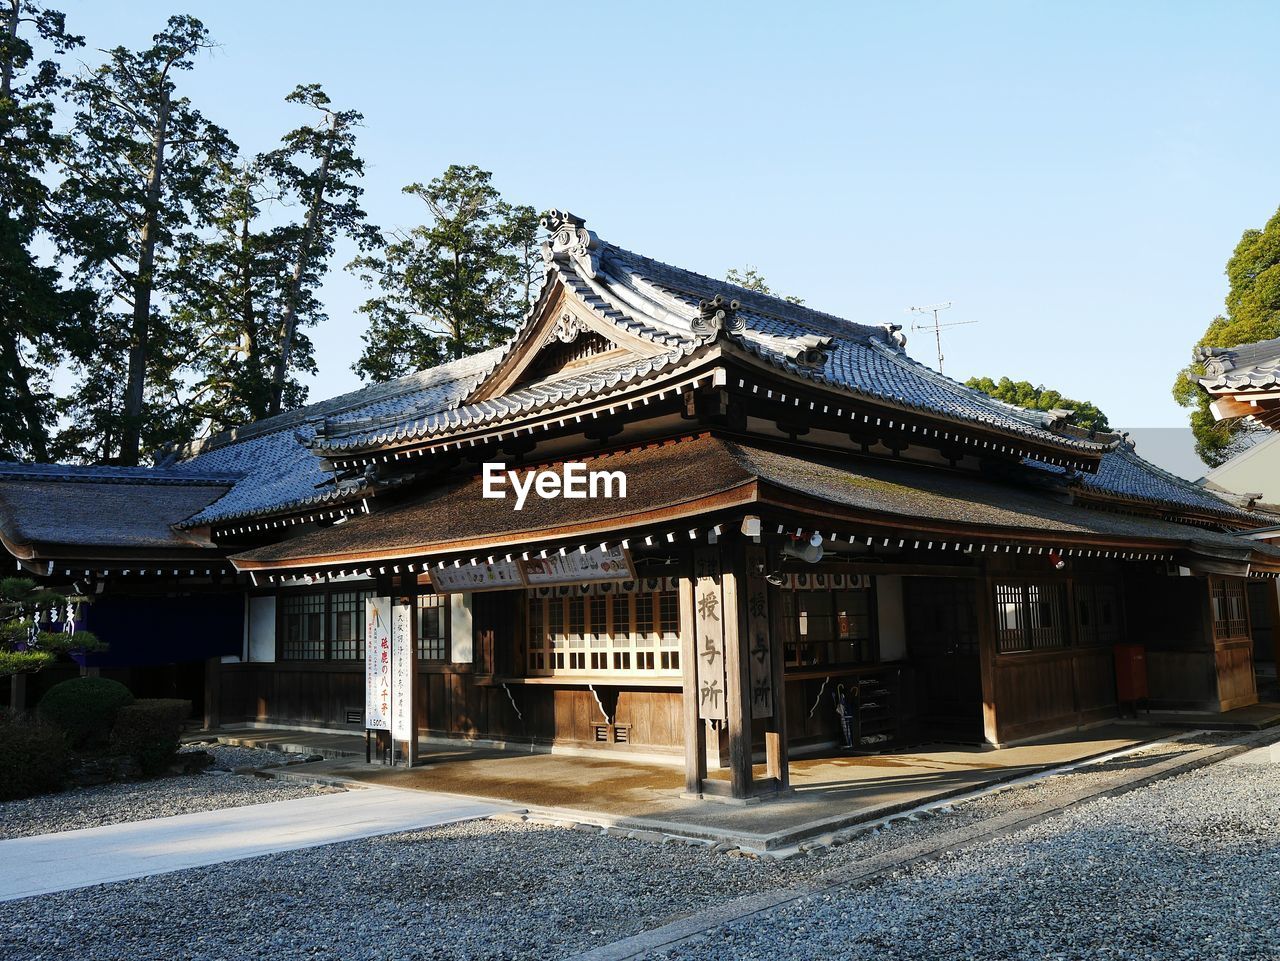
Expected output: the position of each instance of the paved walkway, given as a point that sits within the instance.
(117, 852)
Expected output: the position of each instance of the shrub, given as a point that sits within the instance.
(148, 731)
(84, 708)
(33, 757)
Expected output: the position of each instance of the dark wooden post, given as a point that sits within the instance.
(737, 671)
(695, 732)
(987, 652)
(212, 693)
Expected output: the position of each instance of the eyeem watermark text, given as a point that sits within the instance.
(573, 481)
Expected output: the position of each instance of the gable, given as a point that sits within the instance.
(562, 336)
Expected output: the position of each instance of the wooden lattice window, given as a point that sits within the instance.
(346, 625)
(624, 632)
(433, 627)
(1229, 607)
(304, 628)
(1030, 616)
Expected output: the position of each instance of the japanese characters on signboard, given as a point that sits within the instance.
(572, 567)
(759, 639)
(402, 665)
(377, 664)
(709, 625)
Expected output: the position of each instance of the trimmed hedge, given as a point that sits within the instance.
(84, 708)
(33, 757)
(148, 730)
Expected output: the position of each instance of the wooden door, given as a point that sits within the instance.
(942, 644)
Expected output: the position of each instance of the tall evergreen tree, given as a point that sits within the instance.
(316, 164)
(453, 286)
(41, 318)
(1253, 314)
(230, 289)
(142, 177)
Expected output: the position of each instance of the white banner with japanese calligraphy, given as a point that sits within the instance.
(402, 667)
(708, 620)
(377, 664)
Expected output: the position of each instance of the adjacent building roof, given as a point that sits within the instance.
(1253, 366)
(1124, 474)
(55, 511)
(676, 481)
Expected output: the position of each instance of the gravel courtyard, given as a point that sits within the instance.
(92, 807)
(1183, 868)
(1187, 867)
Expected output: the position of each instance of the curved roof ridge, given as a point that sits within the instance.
(753, 300)
(473, 365)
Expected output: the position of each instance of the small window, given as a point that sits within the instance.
(433, 627)
(1229, 608)
(1030, 616)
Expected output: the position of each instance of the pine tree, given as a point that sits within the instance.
(41, 317)
(453, 286)
(141, 180)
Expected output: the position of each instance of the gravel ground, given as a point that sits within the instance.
(1184, 868)
(114, 803)
(495, 889)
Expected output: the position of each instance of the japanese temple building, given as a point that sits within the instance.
(788, 511)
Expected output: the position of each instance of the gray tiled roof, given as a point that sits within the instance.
(1253, 366)
(109, 474)
(659, 303)
(278, 469)
(56, 513)
(519, 402)
(1123, 473)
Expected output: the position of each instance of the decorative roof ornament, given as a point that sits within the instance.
(566, 329)
(1216, 361)
(895, 335)
(718, 314)
(571, 240)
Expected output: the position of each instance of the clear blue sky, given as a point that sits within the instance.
(1073, 176)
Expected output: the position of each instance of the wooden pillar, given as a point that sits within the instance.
(737, 672)
(212, 693)
(779, 757)
(987, 654)
(695, 731)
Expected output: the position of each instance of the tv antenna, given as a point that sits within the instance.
(936, 327)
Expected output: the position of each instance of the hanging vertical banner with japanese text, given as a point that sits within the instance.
(402, 667)
(708, 620)
(377, 664)
(759, 641)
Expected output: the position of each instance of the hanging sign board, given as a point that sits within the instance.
(402, 667)
(377, 664)
(759, 641)
(572, 567)
(708, 614)
(497, 576)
